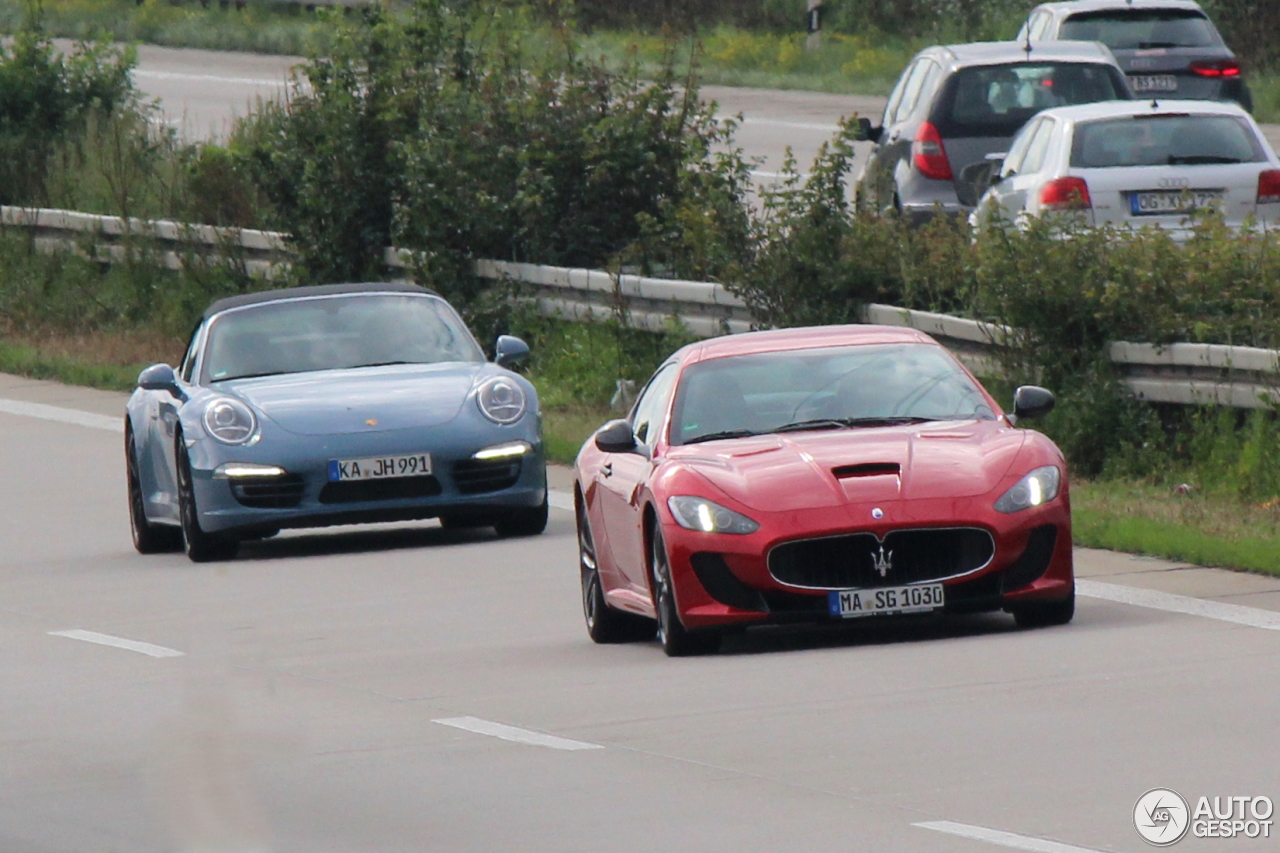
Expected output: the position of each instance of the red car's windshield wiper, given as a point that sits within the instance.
(843, 423)
(728, 433)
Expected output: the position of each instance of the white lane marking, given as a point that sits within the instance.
(207, 78)
(769, 122)
(1254, 617)
(66, 416)
(1004, 839)
(511, 733)
(560, 500)
(804, 176)
(119, 643)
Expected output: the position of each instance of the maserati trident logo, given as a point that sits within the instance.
(882, 561)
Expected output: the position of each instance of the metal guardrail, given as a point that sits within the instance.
(1207, 374)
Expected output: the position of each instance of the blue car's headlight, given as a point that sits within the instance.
(693, 513)
(1038, 487)
(230, 421)
(501, 400)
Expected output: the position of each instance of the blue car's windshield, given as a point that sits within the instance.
(331, 332)
(827, 388)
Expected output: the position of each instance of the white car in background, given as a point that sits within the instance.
(1136, 163)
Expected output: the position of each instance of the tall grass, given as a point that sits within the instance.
(258, 27)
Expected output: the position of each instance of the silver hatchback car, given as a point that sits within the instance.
(955, 104)
(1138, 164)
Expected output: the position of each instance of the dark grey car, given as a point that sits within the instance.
(1168, 48)
(955, 104)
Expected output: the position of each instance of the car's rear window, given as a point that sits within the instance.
(752, 394)
(1136, 29)
(333, 332)
(1164, 140)
(997, 100)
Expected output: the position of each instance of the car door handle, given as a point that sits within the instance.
(607, 469)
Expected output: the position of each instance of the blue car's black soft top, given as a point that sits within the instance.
(314, 290)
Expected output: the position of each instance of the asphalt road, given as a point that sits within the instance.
(291, 701)
(202, 91)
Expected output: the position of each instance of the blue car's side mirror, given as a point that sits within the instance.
(160, 377)
(509, 351)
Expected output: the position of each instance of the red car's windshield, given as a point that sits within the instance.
(824, 388)
(330, 332)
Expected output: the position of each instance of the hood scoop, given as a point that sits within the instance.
(867, 469)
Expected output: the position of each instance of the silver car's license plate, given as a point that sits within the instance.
(1153, 83)
(1172, 201)
(917, 598)
(379, 467)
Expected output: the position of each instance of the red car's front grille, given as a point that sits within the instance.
(858, 560)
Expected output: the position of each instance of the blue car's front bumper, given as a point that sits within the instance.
(304, 496)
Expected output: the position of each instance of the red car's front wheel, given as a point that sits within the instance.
(604, 624)
(676, 639)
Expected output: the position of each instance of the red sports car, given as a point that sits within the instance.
(815, 474)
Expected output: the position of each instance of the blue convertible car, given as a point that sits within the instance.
(331, 405)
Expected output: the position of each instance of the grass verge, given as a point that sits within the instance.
(110, 361)
(1198, 528)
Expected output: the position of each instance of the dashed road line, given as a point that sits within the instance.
(208, 78)
(1253, 617)
(516, 735)
(119, 643)
(66, 416)
(797, 125)
(1004, 839)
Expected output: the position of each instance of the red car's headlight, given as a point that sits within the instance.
(1038, 487)
(706, 516)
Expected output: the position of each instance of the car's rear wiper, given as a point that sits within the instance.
(1192, 159)
(728, 433)
(1147, 45)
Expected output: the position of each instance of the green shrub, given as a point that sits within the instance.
(47, 97)
(443, 130)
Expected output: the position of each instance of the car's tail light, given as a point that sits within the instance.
(1216, 68)
(1065, 194)
(928, 154)
(1269, 186)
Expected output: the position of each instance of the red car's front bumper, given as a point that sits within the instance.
(723, 579)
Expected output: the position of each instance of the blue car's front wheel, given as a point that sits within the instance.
(202, 547)
(148, 538)
(526, 521)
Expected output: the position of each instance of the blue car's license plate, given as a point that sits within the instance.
(379, 467)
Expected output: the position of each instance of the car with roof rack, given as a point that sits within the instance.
(955, 104)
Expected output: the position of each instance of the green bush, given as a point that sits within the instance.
(46, 98)
(447, 130)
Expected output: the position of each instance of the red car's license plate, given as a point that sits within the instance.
(917, 598)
